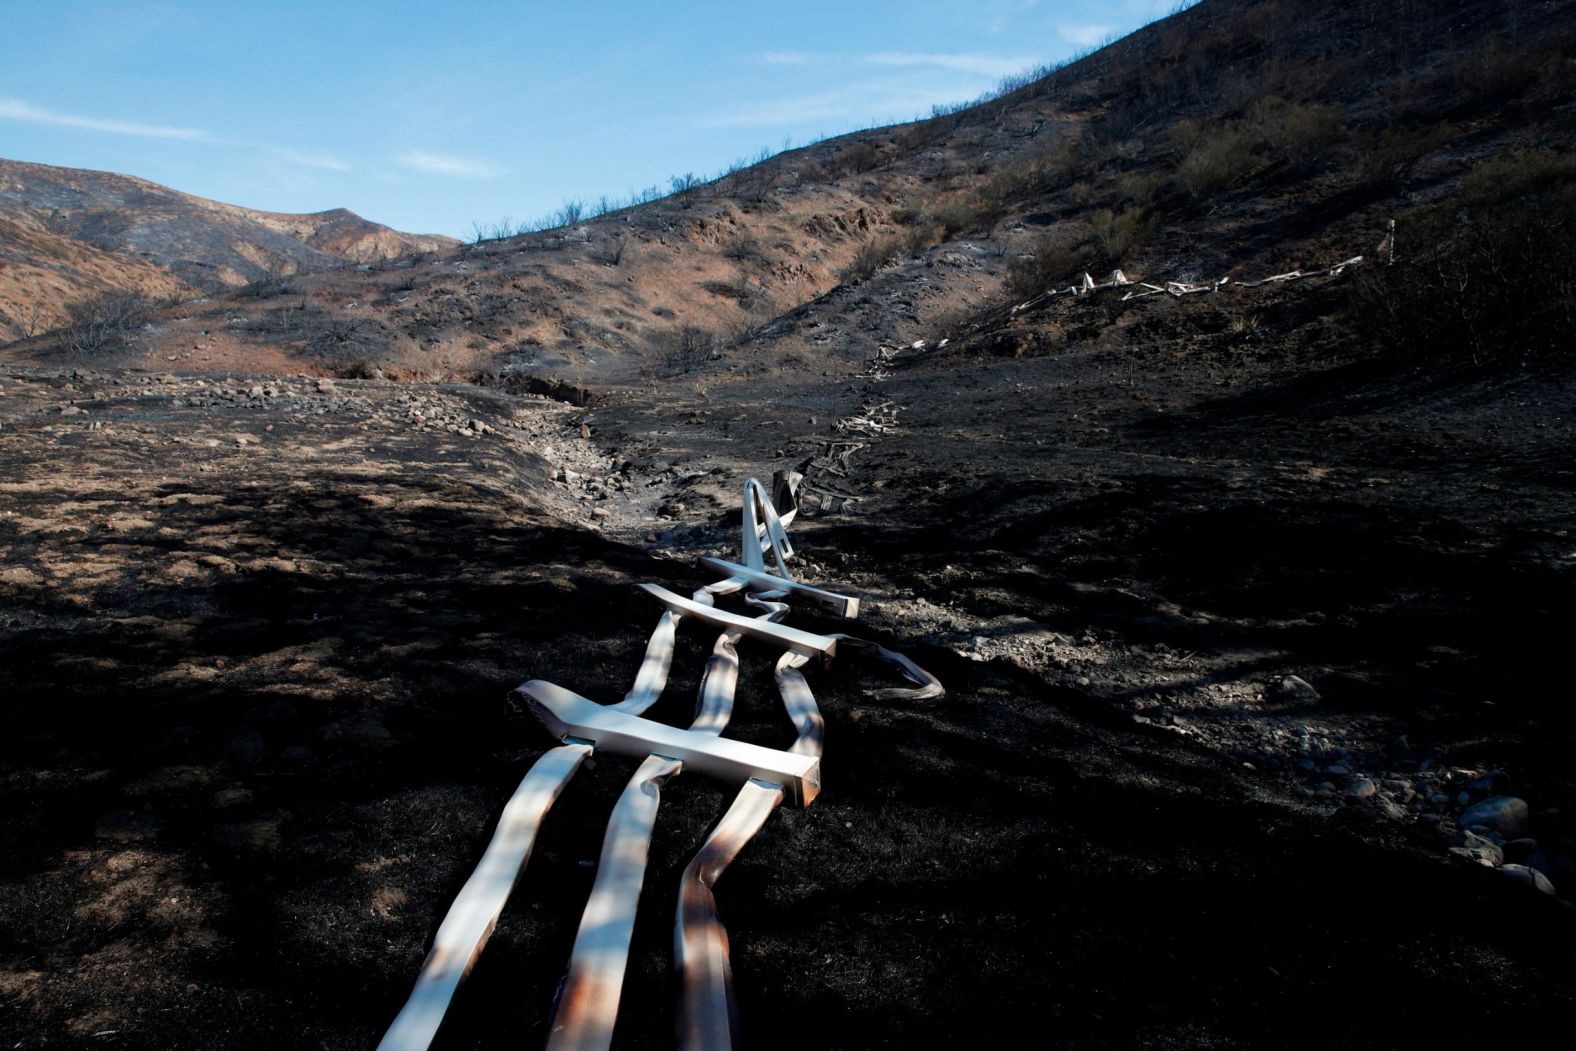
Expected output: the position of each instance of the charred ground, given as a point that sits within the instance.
(254, 735)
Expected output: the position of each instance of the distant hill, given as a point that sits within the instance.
(1222, 141)
(67, 234)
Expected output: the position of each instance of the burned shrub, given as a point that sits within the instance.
(1489, 276)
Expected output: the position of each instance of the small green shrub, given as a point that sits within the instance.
(1120, 235)
(856, 159)
(1218, 160)
(1056, 259)
(872, 256)
(1298, 133)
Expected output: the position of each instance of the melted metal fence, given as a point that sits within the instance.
(587, 1005)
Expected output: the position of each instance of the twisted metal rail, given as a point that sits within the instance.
(587, 1006)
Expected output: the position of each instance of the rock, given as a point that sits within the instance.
(1392, 810)
(1527, 877)
(1506, 815)
(1295, 688)
(1362, 788)
(1496, 781)
(1485, 850)
(1338, 770)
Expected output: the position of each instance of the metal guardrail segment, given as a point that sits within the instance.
(568, 715)
(587, 1008)
(708, 1018)
(471, 918)
(842, 605)
(781, 634)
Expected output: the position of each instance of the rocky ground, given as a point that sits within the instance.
(1247, 658)
(1248, 720)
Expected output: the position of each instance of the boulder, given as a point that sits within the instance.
(1506, 815)
(1527, 877)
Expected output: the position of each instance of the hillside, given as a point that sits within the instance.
(1245, 593)
(1217, 143)
(60, 222)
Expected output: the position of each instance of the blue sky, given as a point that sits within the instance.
(430, 117)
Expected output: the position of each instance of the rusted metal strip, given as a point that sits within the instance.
(471, 918)
(780, 635)
(708, 1019)
(842, 605)
(587, 1008)
(567, 714)
(654, 667)
(928, 687)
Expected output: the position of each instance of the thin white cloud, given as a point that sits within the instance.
(1088, 35)
(786, 58)
(970, 62)
(16, 109)
(430, 163)
(308, 160)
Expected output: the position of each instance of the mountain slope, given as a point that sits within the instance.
(1229, 139)
(54, 215)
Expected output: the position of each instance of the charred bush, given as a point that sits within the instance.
(100, 323)
(1056, 258)
(872, 256)
(1488, 277)
(685, 349)
(856, 159)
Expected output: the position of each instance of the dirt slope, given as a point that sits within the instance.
(1229, 140)
(59, 219)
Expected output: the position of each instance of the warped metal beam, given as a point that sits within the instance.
(587, 1009)
(569, 715)
(708, 1013)
(471, 918)
(759, 579)
(782, 635)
